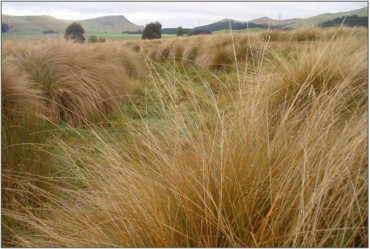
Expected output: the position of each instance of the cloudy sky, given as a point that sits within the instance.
(174, 14)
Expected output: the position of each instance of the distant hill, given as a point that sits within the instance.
(265, 21)
(316, 20)
(109, 24)
(226, 23)
(34, 23)
(268, 21)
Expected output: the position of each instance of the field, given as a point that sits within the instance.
(36, 35)
(227, 31)
(226, 140)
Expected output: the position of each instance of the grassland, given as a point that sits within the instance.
(227, 31)
(228, 140)
(36, 35)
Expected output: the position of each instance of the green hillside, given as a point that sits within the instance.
(268, 21)
(37, 24)
(315, 20)
(34, 23)
(265, 21)
(109, 24)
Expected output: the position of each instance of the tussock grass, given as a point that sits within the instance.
(302, 178)
(191, 49)
(216, 54)
(283, 162)
(78, 83)
(120, 56)
(320, 70)
(51, 81)
(20, 95)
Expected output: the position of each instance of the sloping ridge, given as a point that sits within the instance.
(42, 23)
(287, 23)
(268, 21)
(111, 24)
(316, 20)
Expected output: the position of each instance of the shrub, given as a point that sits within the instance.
(102, 39)
(92, 39)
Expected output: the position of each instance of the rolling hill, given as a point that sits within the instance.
(34, 23)
(38, 24)
(110, 24)
(309, 22)
(268, 21)
(316, 20)
(288, 23)
(226, 23)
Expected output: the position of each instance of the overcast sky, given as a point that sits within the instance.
(174, 14)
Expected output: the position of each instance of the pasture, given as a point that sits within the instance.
(36, 35)
(225, 140)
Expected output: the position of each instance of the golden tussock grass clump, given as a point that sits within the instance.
(191, 49)
(307, 146)
(162, 51)
(247, 46)
(319, 70)
(79, 83)
(222, 52)
(25, 160)
(122, 55)
(303, 34)
(311, 34)
(20, 96)
(150, 48)
(169, 49)
(216, 53)
(356, 32)
(22, 116)
(174, 49)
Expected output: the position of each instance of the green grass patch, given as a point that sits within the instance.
(36, 35)
(240, 31)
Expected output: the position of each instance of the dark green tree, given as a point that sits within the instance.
(75, 32)
(4, 27)
(350, 21)
(180, 31)
(191, 32)
(152, 31)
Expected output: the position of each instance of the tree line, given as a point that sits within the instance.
(350, 21)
